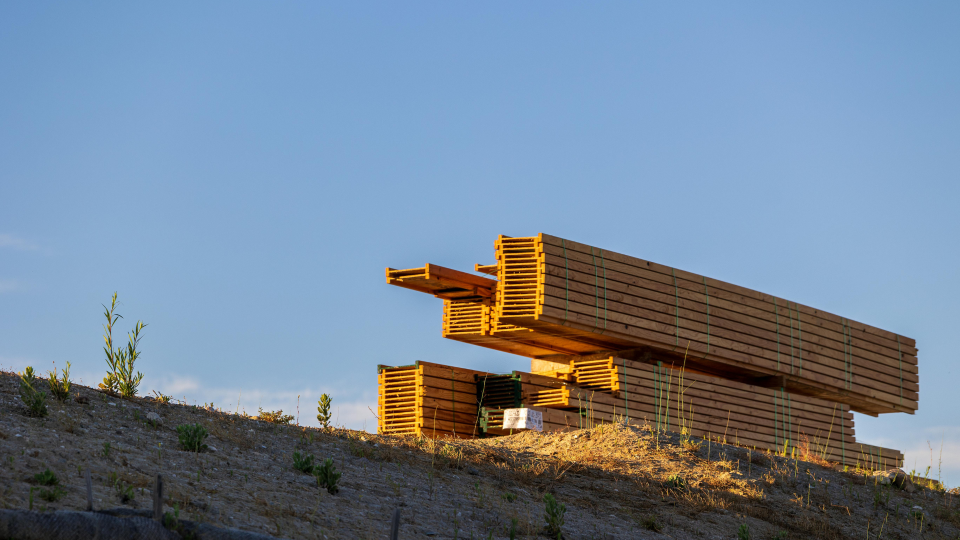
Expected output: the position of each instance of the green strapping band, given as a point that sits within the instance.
(776, 311)
(847, 354)
(626, 404)
(604, 266)
(789, 416)
(666, 416)
(776, 425)
(800, 332)
(566, 269)
(900, 354)
(453, 401)
(790, 312)
(706, 293)
(676, 309)
(596, 291)
(656, 393)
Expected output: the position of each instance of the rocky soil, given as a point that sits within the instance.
(615, 481)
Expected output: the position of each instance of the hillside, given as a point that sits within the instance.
(615, 481)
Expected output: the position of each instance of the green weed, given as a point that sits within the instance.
(323, 410)
(743, 533)
(303, 463)
(35, 400)
(60, 387)
(327, 476)
(191, 437)
(553, 514)
(120, 379)
(46, 478)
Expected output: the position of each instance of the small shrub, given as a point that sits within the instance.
(323, 410)
(676, 481)
(35, 400)
(60, 387)
(509, 497)
(327, 476)
(743, 533)
(553, 513)
(191, 437)
(651, 523)
(52, 495)
(124, 492)
(46, 478)
(161, 398)
(303, 463)
(274, 417)
(106, 449)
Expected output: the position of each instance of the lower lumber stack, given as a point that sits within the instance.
(771, 419)
(428, 399)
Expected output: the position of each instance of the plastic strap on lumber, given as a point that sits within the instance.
(847, 355)
(900, 355)
(626, 403)
(706, 293)
(596, 287)
(566, 269)
(656, 393)
(790, 312)
(776, 312)
(800, 332)
(453, 398)
(790, 418)
(676, 308)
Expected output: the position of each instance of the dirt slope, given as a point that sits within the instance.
(616, 482)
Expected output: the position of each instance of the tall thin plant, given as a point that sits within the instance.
(120, 379)
(323, 410)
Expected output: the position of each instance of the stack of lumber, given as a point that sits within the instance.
(710, 407)
(616, 302)
(609, 336)
(427, 399)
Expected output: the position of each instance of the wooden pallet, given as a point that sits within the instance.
(610, 301)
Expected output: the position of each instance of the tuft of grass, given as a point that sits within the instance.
(191, 437)
(35, 400)
(274, 417)
(743, 533)
(106, 449)
(327, 476)
(303, 463)
(161, 398)
(553, 513)
(651, 523)
(323, 410)
(60, 386)
(509, 497)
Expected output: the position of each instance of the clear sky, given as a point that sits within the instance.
(241, 173)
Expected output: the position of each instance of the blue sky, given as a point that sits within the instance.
(241, 173)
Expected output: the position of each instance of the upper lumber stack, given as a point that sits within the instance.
(578, 293)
